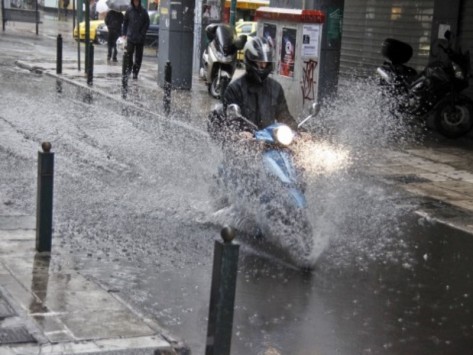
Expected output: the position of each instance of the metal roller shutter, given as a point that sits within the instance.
(367, 23)
(466, 34)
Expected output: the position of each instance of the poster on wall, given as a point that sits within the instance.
(288, 48)
(310, 40)
(269, 32)
(210, 11)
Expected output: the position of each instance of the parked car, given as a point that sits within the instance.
(94, 25)
(152, 36)
(247, 28)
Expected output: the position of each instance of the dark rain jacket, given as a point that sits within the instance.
(135, 24)
(262, 104)
(114, 21)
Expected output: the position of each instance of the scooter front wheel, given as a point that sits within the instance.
(454, 119)
(218, 86)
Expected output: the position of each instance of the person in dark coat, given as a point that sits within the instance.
(114, 21)
(65, 5)
(135, 26)
(260, 98)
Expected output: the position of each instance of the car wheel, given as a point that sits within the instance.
(100, 40)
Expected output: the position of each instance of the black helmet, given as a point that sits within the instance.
(258, 50)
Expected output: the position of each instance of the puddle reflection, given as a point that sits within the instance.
(39, 282)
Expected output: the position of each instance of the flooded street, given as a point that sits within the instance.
(364, 308)
(131, 212)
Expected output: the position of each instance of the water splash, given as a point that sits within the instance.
(361, 218)
(351, 214)
(131, 176)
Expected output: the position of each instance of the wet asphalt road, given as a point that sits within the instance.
(130, 197)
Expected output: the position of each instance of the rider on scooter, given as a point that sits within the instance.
(260, 98)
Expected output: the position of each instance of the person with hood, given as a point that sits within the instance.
(135, 26)
(114, 21)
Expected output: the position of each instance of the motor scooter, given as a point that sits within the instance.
(219, 58)
(270, 189)
(435, 92)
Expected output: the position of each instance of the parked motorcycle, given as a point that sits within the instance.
(435, 91)
(219, 58)
(269, 190)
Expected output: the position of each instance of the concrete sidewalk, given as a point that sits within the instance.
(47, 309)
(46, 305)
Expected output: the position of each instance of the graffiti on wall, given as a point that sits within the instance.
(308, 80)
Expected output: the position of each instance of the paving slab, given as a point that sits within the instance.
(43, 310)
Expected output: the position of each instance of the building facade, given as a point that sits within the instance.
(366, 23)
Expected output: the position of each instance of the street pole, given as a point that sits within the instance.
(77, 16)
(44, 200)
(37, 18)
(87, 34)
(3, 15)
(80, 11)
(222, 294)
(233, 12)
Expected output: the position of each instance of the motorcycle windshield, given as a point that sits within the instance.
(224, 37)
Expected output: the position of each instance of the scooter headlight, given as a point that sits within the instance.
(284, 135)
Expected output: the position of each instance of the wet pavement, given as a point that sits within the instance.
(47, 309)
(44, 310)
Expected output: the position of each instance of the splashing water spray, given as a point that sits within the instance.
(347, 210)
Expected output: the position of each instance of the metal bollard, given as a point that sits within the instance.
(125, 74)
(222, 294)
(167, 87)
(59, 55)
(44, 201)
(90, 68)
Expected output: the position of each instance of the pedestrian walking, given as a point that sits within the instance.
(93, 10)
(114, 21)
(65, 5)
(135, 26)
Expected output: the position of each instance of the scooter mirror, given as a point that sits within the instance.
(313, 111)
(240, 42)
(210, 31)
(447, 34)
(233, 110)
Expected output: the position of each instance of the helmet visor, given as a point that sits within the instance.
(259, 50)
(262, 65)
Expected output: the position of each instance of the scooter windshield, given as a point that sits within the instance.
(224, 38)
